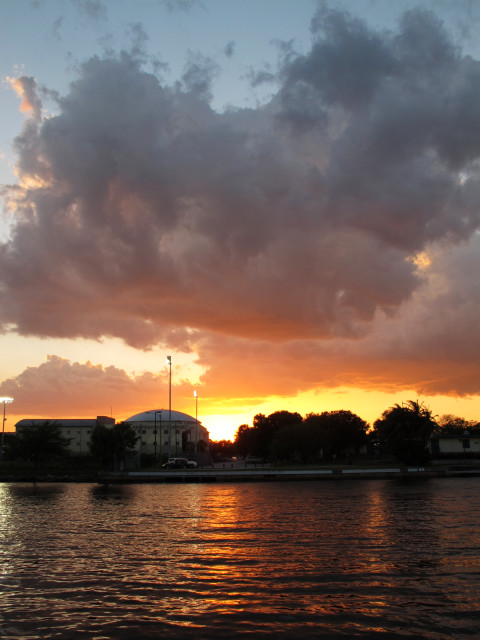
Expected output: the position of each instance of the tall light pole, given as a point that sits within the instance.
(5, 400)
(169, 362)
(195, 395)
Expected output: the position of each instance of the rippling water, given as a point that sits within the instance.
(328, 559)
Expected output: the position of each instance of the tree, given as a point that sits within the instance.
(292, 442)
(245, 440)
(336, 433)
(454, 425)
(267, 427)
(39, 442)
(258, 440)
(221, 449)
(405, 431)
(111, 446)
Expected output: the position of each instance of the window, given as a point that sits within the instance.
(165, 431)
(466, 443)
(165, 444)
(155, 431)
(144, 431)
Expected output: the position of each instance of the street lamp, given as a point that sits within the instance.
(5, 400)
(169, 362)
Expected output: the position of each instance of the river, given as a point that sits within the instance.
(328, 559)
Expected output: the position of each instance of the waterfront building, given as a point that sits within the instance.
(76, 431)
(164, 433)
(455, 445)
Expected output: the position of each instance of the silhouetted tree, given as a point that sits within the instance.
(39, 442)
(450, 424)
(292, 442)
(245, 440)
(405, 430)
(336, 433)
(221, 449)
(268, 426)
(111, 446)
(202, 446)
(258, 440)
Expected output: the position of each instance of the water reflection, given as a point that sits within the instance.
(321, 559)
(36, 492)
(111, 492)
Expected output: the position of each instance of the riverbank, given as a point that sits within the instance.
(269, 474)
(258, 473)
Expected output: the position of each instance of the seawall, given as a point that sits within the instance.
(267, 474)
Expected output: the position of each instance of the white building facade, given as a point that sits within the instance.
(169, 434)
(76, 431)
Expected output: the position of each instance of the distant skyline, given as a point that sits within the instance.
(283, 195)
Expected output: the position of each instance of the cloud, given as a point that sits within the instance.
(229, 49)
(57, 385)
(92, 9)
(253, 236)
(26, 89)
(180, 5)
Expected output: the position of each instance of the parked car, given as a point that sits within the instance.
(254, 460)
(179, 463)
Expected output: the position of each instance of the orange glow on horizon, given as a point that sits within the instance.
(369, 405)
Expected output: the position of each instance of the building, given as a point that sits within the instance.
(166, 434)
(159, 436)
(455, 445)
(75, 431)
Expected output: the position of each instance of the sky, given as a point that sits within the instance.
(282, 195)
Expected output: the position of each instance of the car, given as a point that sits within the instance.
(179, 463)
(254, 460)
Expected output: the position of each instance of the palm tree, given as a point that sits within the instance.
(405, 430)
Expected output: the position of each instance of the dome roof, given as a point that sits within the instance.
(162, 414)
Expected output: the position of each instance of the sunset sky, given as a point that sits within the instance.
(283, 195)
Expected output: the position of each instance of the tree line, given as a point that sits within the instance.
(403, 431)
(110, 447)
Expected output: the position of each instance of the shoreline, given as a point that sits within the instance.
(257, 474)
(266, 474)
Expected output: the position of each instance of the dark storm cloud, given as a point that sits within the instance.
(199, 74)
(142, 213)
(410, 123)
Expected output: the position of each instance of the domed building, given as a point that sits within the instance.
(169, 434)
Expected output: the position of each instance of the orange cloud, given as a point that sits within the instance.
(26, 89)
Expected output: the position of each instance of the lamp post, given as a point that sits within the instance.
(169, 362)
(195, 395)
(5, 400)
